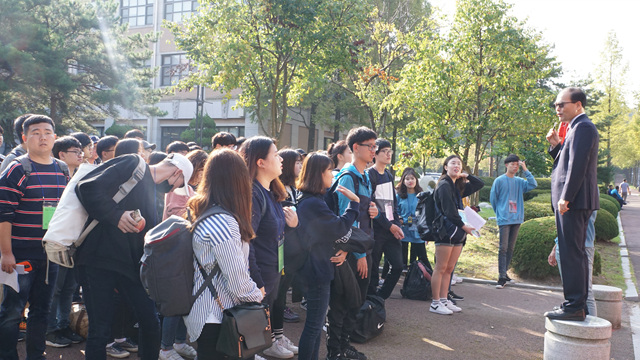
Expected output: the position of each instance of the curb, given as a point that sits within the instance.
(516, 285)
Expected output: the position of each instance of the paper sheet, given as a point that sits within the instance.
(10, 280)
(473, 219)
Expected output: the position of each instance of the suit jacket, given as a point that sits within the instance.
(574, 177)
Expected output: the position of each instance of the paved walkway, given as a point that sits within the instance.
(494, 323)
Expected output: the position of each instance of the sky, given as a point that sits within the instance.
(579, 29)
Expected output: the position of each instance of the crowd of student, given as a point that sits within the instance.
(271, 197)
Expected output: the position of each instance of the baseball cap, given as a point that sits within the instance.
(94, 138)
(147, 145)
(182, 163)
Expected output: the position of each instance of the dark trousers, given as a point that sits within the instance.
(418, 252)
(317, 303)
(392, 249)
(277, 311)
(207, 343)
(98, 285)
(34, 290)
(508, 236)
(572, 233)
(342, 318)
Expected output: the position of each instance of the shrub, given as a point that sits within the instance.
(606, 226)
(544, 184)
(611, 200)
(544, 198)
(597, 263)
(488, 181)
(535, 241)
(534, 210)
(485, 193)
(610, 207)
(533, 193)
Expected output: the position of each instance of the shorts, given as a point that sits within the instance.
(455, 235)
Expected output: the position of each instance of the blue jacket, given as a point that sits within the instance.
(406, 208)
(507, 189)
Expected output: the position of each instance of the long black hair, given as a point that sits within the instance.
(401, 188)
(460, 182)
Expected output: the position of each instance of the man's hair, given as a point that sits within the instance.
(127, 146)
(63, 144)
(36, 119)
(177, 146)
(83, 138)
(132, 134)
(223, 139)
(105, 143)
(17, 125)
(1, 130)
(360, 135)
(624, 180)
(156, 157)
(577, 95)
(382, 144)
(240, 141)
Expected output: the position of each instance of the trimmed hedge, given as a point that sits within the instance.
(607, 205)
(533, 193)
(535, 241)
(544, 184)
(597, 263)
(485, 193)
(612, 200)
(488, 181)
(534, 210)
(606, 225)
(544, 198)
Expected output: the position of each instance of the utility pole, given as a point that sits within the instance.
(199, 114)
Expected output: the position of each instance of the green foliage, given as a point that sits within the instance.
(200, 130)
(597, 263)
(534, 210)
(611, 200)
(535, 241)
(606, 226)
(118, 130)
(488, 180)
(542, 198)
(610, 206)
(543, 184)
(72, 61)
(533, 193)
(484, 194)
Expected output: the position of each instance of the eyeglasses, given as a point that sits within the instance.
(373, 147)
(562, 104)
(77, 152)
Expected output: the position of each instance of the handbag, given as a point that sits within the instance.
(356, 240)
(245, 328)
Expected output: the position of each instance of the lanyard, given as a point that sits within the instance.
(55, 167)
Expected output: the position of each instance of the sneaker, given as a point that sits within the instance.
(455, 296)
(114, 350)
(351, 353)
(55, 339)
(501, 283)
(290, 316)
(258, 357)
(288, 344)
(22, 335)
(451, 306)
(277, 350)
(337, 356)
(128, 345)
(169, 355)
(509, 279)
(457, 278)
(69, 334)
(303, 304)
(185, 350)
(440, 309)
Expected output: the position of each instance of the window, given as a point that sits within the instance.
(177, 11)
(136, 12)
(170, 134)
(237, 131)
(174, 68)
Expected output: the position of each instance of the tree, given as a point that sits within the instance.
(204, 127)
(482, 88)
(73, 61)
(272, 50)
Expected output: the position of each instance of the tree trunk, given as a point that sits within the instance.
(311, 140)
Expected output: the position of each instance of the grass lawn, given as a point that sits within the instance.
(611, 264)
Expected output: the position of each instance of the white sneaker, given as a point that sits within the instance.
(288, 344)
(453, 281)
(277, 350)
(457, 279)
(440, 309)
(452, 307)
(185, 350)
(169, 355)
(258, 357)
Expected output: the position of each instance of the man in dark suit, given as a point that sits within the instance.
(574, 194)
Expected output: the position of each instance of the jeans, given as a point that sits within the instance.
(317, 303)
(392, 249)
(98, 285)
(66, 285)
(173, 330)
(34, 290)
(508, 236)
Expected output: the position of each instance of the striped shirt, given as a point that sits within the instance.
(21, 202)
(217, 240)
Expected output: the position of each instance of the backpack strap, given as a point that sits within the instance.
(123, 191)
(64, 167)
(28, 168)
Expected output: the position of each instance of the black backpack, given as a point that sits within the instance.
(370, 320)
(425, 215)
(331, 196)
(417, 283)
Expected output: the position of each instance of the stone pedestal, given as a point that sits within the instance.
(577, 340)
(609, 303)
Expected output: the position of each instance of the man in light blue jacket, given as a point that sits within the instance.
(508, 204)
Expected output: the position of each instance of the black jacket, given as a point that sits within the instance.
(448, 199)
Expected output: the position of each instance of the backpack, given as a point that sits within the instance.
(296, 247)
(417, 283)
(370, 319)
(331, 196)
(425, 215)
(166, 268)
(28, 168)
(68, 227)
